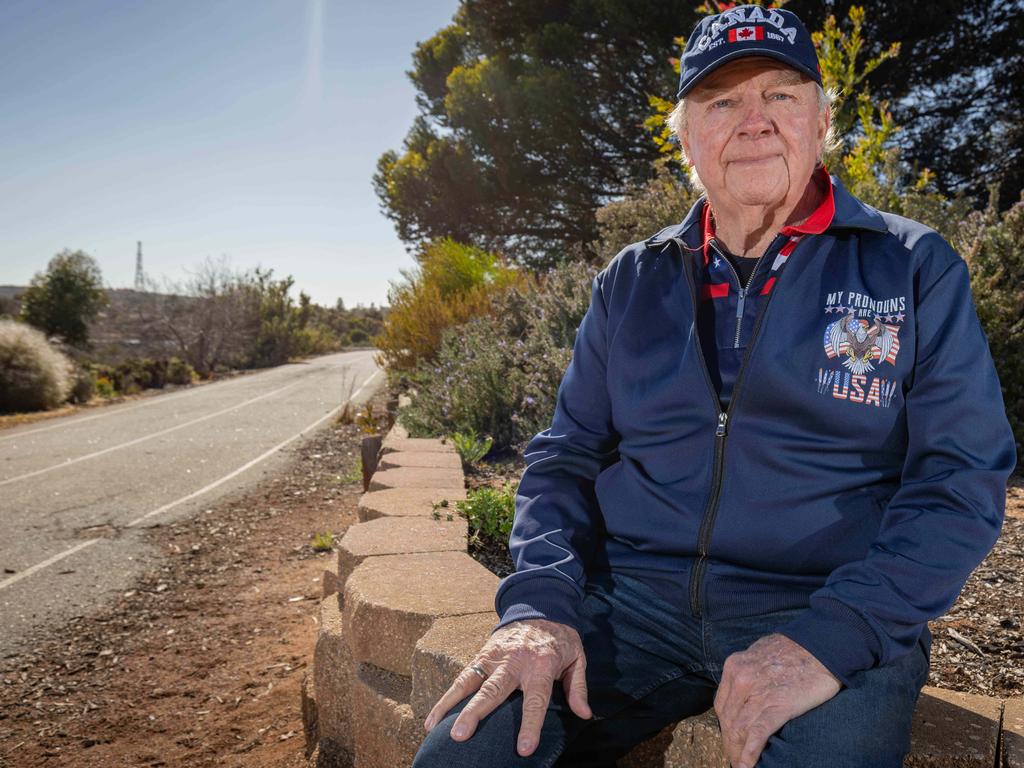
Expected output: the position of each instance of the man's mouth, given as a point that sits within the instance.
(753, 160)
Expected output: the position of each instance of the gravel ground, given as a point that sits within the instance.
(201, 662)
(977, 646)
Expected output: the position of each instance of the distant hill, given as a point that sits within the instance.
(118, 331)
(10, 291)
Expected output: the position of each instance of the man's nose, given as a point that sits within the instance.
(755, 121)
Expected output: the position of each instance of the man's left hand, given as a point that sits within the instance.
(762, 689)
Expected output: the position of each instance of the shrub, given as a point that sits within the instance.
(180, 372)
(84, 386)
(644, 210)
(489, 512)
(993, 246)
(33, 375)
(453, 283)
(105, 387)
(323, 542)
(477, 384)
(499, 375)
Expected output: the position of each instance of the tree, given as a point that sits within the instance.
(210, 320)
(63, 300)
(530, 112)
(956, 88)
(531, 117)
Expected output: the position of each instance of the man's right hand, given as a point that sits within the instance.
(529, 654)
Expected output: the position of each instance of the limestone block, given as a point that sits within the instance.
(1013, 733)
(416, 477)
(651, 753)
(408, 502)
(954, 730)
(398, 536)
(429, 459)
(447, 647)
(329, 583)
(332, 682)
(393, 442)
(392, 600)
(309, 713)
(696, 743)
(385, 731)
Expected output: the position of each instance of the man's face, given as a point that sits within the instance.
(753, 132)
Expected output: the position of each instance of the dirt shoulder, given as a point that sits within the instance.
(201, 662)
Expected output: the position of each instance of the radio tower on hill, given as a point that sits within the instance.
(140, 281)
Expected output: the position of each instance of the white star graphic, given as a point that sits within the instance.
(899, 317)
(717, 261)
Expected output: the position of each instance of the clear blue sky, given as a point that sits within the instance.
(249, 128)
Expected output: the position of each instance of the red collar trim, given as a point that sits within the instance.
(822, 217)
(709, 230)
(815, 224)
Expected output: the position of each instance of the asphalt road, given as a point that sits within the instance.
(76, 492)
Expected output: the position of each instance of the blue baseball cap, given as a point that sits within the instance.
(746, 30)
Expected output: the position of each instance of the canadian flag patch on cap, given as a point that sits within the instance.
(744, 34)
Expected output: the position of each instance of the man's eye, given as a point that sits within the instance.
(780, 96)
(721, 103)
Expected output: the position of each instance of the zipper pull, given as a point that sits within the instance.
(739, 304)
(720, 430)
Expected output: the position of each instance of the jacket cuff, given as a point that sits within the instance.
(540, 597)
(837, 636)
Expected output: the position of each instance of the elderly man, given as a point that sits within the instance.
(779, 450)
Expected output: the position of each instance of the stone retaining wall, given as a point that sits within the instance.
(409, 608)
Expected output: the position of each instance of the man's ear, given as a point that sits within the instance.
(823, 126)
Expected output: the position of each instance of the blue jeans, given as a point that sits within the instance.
(651, 664)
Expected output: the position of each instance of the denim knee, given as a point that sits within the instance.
(493, 743)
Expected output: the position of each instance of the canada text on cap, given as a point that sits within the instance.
(746, 30)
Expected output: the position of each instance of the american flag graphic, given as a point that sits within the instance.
(890, 339)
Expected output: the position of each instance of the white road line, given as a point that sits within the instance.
(47, 562)
(78, 547)
(144, 438)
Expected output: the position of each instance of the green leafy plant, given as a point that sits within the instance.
(471, 447)
(438, 506)
(489, 512)
(323, 542)
(105, 387)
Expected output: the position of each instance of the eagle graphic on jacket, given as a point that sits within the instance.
(860, 342)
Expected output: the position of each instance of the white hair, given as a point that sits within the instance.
(677, 123)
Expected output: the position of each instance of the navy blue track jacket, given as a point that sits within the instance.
(859, 469)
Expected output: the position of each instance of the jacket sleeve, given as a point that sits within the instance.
(557, 519)
(947, 513)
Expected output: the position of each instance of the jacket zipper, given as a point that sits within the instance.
(721, 431)
(742, 292)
